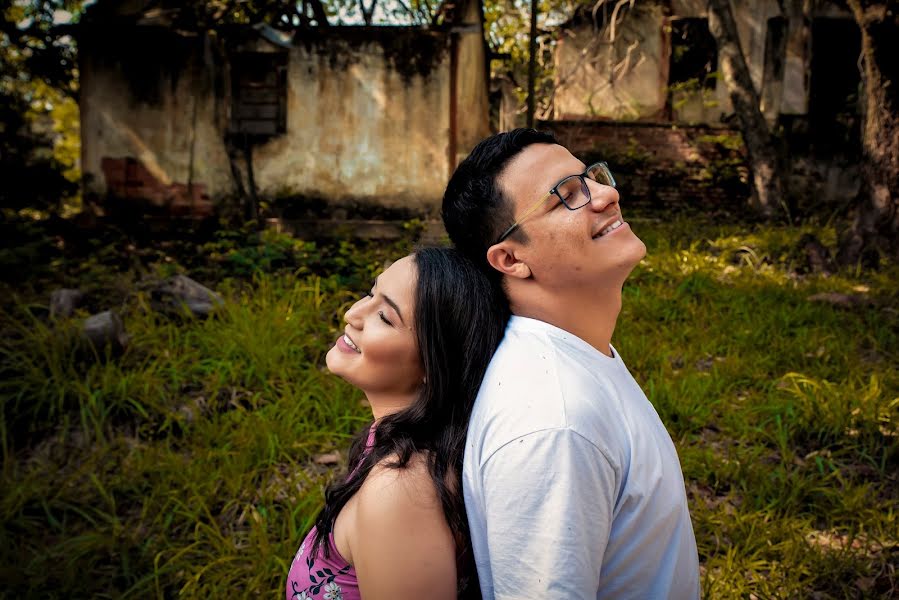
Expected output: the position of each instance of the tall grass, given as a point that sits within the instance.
(185, 466)
(785, 410)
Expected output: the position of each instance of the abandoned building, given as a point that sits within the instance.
(638, 83)
(367, 123)
(353, 120)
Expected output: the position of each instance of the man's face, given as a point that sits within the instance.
(567, 250)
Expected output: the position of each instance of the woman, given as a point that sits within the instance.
(417, 345)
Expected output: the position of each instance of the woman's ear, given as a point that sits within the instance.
(502, 257)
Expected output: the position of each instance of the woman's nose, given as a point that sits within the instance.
(355, 314)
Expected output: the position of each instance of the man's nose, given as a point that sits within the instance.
(602, 196)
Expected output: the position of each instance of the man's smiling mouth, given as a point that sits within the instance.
(615, 225)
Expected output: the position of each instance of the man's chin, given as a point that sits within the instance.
(629, 260)
(633, 252)
(642, 252)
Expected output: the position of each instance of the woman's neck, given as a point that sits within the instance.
(382, 405)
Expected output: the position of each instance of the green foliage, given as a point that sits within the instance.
(38, 165)
(39, 137)
(184, 467)
(693, 90)
(727, 169)
(32, 48)
(507, 27)
(350, 262)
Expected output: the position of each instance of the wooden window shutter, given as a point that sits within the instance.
(259, 93)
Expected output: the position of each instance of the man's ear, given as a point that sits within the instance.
(502, 257)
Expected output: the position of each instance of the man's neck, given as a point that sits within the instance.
(592, 318)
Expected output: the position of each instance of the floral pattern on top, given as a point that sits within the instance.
(319, 578)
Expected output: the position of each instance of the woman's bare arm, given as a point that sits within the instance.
(401, 544)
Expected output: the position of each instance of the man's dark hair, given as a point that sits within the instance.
(475, 212)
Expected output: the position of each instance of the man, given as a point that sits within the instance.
(572, 484)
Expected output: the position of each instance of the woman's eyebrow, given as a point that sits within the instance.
(393, 305)
(390, 301)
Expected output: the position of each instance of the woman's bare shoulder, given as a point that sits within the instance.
(399, 489)
(403, 546)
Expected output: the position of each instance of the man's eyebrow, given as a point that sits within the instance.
(583, 171)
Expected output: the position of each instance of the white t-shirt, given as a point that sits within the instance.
(572, 484)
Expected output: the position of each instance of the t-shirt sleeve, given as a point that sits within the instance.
(549, 498)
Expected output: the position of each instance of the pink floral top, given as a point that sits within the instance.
(314, 577)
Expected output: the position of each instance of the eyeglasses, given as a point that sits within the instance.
(573, 191)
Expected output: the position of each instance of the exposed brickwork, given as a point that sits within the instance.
(663, 164)
(128, 180)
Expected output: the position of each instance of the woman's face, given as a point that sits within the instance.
(378, 352)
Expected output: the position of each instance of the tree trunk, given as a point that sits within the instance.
(532, 64)
(875, 227)
(766, 172)
(318, 13)
(367, 11)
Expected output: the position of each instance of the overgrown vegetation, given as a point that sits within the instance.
(187, 465)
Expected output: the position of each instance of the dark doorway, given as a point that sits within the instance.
(775, 59)
(694, 55)
(834, 87)
(692, 69)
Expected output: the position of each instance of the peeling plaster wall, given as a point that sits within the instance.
(158, 108)
(588, 87)
(473, 119)
(752, 26)
(358, 129)
(367, 115)
(752, 20)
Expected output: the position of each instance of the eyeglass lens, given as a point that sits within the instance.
(574, 192)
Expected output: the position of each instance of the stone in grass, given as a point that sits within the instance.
(329, 458)
(180, 291)
(63, 302)
(103, 330)
(840, 300)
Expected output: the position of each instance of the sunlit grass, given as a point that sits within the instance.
(184, 467)
(785, 410)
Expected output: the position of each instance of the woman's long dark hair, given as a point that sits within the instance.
(460, 317)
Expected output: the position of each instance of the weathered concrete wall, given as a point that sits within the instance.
(588, 84)
(157, 109)
(596, 81)
(367, 118)
(361, 127)
(472, 82)
(752, 20)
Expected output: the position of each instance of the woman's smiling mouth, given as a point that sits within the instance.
(346, 344)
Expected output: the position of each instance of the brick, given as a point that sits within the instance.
(660, 163)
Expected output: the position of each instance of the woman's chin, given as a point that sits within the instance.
(335, 362)
(332, 361)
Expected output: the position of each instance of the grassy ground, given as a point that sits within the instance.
(187, 466)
